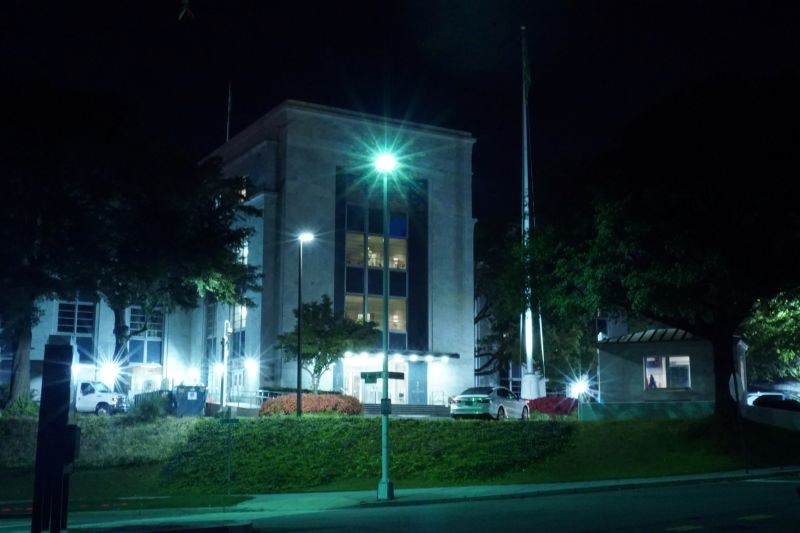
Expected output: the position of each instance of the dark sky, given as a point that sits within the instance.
(597, 65)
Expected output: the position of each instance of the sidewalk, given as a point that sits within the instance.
(239, 517)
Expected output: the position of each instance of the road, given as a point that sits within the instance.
(757, 505)
(760, 504)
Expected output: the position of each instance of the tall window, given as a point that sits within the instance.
(77, 319)
(364, 259)
(210, 321)
(667, 372)
(147, 332)
(237, 337)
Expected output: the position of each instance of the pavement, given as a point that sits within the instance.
(239, 517)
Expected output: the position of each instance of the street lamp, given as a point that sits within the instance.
(385, 164)
(303, 237)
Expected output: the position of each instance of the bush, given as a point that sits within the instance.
(287, 453)
(554, 405)
(150, 408)
(22, 407)
(312, 403)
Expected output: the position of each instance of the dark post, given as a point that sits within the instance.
(299, 329)
(56, 444)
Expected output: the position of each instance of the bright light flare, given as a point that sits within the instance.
(578, 387)
(219, 369)
(109, 371)
(385, 163)
(251, 365)
(306, 236)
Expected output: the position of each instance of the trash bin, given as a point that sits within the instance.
(189, 400)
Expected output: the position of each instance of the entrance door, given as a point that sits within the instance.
(418, 383)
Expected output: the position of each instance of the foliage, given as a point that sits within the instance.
(104, 208)
(312, 403)
(695, 221)
(772, 334)
(291, 453)
(23, 406)
(105, 440)
(150, 408)
(569, 335)
(325, 337)
(554, 405)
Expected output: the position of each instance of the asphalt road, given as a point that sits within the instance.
(756, 505)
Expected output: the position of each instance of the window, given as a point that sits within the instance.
(354, 307)
(667, 372)
(147, 332)
(354, 249)
(77, 319)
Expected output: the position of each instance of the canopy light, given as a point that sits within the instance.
(385, 163)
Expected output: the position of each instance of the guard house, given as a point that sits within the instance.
(658, 373)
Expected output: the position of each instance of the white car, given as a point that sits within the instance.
(498, 403)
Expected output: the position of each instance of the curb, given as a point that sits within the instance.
(602, 486)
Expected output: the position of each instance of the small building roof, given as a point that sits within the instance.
(652, 335)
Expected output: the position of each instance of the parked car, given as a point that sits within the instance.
(774, 400)
(498, 403)
(96, 397)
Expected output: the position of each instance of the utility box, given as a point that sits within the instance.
(189, 400)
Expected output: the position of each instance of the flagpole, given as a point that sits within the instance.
(529, 380)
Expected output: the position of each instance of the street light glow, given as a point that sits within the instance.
(251, 365)
(219, 368)
(579, 387)
(306, 236)
(109, 372)
(385, 163)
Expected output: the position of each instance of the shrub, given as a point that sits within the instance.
(554, 405)
(22, 407)
(151, 408)
(312, 403)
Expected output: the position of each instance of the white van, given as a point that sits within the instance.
(95, 396)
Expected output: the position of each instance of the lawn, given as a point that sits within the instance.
(285, 454)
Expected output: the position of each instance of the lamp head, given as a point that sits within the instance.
(306, 236)
(385, 163)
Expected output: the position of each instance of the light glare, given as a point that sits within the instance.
(385, 163)
(306, 236)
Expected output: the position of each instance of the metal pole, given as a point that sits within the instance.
(385, 487)
(299, 329)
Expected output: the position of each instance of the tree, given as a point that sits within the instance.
(325, 338)
(104, 208)
(694, 221)
(569, 334)
(772, 334)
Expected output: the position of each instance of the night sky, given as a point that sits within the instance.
(597, 66)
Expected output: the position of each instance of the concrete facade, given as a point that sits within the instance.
(312, 170)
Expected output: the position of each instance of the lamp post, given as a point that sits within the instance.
(303, 237)
(385, 164)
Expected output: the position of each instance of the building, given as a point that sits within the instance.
(658, 373)
(311, 169)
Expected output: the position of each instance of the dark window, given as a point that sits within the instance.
(376, 221)
(397, 283)
(397, 225)
(237, 344)
(397, 341)
(355, 218)
(375, 281)
(355, 280)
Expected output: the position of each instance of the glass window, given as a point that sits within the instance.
(397, 253)
(375, 310)
(376, 221)
(211, 317)
(355, 218)
(354, 307)
(397, 283)
(397, 314)
(679, 375)
(397, 225)
(354, 280)
(354, 249)
(667, 372)
(375, 251)
(146, 333)
(77, 319)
